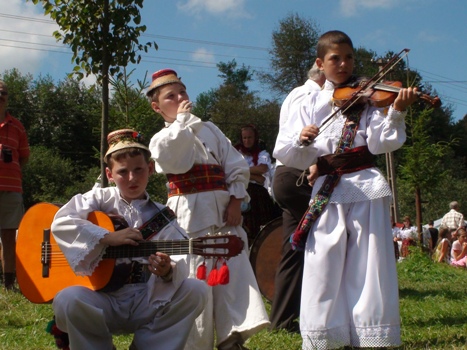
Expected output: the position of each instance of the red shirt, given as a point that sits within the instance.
(12, 136)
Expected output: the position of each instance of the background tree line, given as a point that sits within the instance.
(63, 121)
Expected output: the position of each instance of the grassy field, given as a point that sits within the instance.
(433, 299)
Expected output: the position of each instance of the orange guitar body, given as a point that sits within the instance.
(29, 267)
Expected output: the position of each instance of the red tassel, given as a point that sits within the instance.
(212, 278)
(201, 272)
(223, 275)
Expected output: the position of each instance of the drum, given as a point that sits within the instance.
(265, 255)
(260, 213)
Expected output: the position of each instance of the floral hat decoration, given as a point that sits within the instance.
(124, 138)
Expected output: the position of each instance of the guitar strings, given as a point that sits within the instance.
(56, 256)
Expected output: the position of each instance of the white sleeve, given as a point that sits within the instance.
(176, 147)
(288, 149)
(77, 237)
(386, 132)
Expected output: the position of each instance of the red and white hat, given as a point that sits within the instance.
(124, 138)
(163, 77)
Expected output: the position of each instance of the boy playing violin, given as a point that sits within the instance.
(350, 293)
(153, 300)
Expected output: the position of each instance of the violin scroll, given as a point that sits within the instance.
(435, 102)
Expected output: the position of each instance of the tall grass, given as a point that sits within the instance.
(432, 298)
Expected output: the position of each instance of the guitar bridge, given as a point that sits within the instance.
(45, 254)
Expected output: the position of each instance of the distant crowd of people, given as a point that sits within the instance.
(451, 246)
(446, 243)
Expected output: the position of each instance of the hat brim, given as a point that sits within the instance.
(164, 80)
(124, 144)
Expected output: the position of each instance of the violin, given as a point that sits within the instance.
(372, 91)
(378, 95)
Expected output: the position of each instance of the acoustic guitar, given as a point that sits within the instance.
(42, 269)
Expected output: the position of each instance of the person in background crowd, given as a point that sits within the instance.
(434, 234)
(293, 199)
(261, 209)
(395, 233)
(14, 154)
(443, 246)
(407, 236)
(459, 248)
(453, 219)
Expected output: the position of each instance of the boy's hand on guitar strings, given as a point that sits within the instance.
(159, 264)
(128, 235)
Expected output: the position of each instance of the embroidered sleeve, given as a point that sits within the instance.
(77, 237)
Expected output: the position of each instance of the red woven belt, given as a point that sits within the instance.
(200, 178)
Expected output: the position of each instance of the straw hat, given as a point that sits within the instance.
(163, 77)
(124, 138)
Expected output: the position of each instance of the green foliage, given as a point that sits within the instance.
(50, 178)
(130, 109)
(232, 105)
(422, 159)
(20, 101)
(292, 54)
(235, 77)
(203, 104)
(421, 166)
(92, 28)
(364, 62)
(103, 36)
(436, 198)
(157, 188)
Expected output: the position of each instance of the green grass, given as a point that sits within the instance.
(433, 299)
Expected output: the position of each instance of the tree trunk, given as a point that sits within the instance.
(105, 93)
(418, 210)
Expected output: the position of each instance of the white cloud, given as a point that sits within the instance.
(429, 37)
(25, 37)
(232, 8)
(350, 8)
(91, 80)
(203, 56)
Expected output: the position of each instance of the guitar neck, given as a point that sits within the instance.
(146, 248)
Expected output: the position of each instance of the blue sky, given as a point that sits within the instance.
(194, 35)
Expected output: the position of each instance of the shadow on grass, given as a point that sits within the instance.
(417, 294)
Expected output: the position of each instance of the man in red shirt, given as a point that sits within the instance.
(14, 153)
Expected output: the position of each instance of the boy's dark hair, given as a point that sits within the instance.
(127, 152)
(331, 38)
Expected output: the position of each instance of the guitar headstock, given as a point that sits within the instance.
(225, 246)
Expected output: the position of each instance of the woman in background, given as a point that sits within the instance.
(443, 246)
(261, 209)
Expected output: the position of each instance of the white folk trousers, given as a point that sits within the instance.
(90, 318)
(350, 292)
